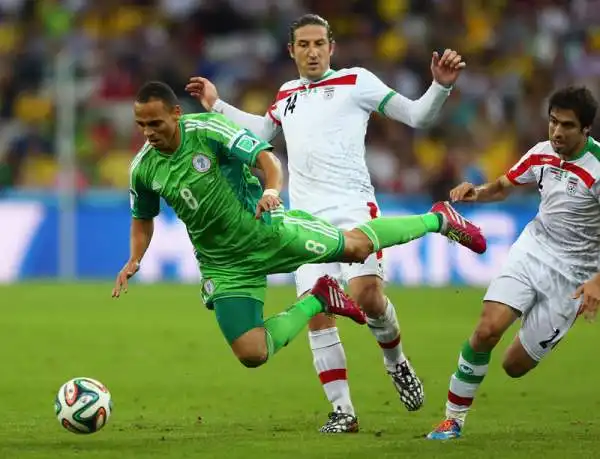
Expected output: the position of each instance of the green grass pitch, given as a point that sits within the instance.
(179, 392)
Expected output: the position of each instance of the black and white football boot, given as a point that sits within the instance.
(340, 422)
(408, 385)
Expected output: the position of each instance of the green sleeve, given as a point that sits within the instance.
(145, 203)
(235, 141)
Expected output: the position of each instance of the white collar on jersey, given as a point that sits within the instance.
(305, 81)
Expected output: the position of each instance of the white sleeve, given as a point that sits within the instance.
(266, 127)
(374, 95)
(522, 172)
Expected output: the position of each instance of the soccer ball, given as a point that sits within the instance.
(83, 405)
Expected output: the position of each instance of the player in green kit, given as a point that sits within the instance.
(201, 166)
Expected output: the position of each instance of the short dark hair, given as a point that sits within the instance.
(576, 98)
(157, 90)
(310, 19)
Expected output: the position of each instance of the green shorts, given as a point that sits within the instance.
(298, 239)
(237, 315)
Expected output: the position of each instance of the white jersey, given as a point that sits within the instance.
(324, 123)
(565, 233)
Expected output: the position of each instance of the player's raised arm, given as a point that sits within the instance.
(422, 112)
(205, 92)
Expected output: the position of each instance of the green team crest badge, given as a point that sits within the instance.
(201, 162)
(209, 286)
(247, 143)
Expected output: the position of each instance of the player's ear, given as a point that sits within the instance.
(586, 131)
(177, 111)
(291, 50)
(332, 48)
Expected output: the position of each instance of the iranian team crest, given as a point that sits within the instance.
(201, 163)
(328, 92)
(572, 186)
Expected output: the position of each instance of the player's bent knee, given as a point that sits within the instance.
(253, 358)
(495, 320)
(486, 336)
(251, 348)
(515, 368)
(368, 293)
(517, 361)
(253, 363)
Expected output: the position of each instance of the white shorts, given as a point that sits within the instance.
(543, 296)
(345, 218)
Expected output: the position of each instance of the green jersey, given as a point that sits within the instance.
(210, 186)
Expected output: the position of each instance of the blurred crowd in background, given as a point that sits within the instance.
(517, 52)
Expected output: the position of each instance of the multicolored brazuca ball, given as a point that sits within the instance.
(83, 405)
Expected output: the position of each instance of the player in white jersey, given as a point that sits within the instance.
(551, 274)
(323, 115)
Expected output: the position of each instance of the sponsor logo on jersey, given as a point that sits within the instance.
(156, 186)
(572, 186)
(247, 143)
(328, 92)
(556, 173)
(308, 91)
(201, 163)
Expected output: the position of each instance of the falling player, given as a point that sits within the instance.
(200, 165)
(323, 115)
(552, 269)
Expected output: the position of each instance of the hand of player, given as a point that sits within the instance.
(203, 91)
(464, 192)
(121, 284)
(445, 69)
(590, 294)
(267, 203)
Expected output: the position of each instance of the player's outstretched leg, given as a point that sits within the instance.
(457, 228)
(389, 231)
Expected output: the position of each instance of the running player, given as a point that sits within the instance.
(323, 115)
(552, 270)
(200, 165)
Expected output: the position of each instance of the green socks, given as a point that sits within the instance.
(281, 328)
(389, 231)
